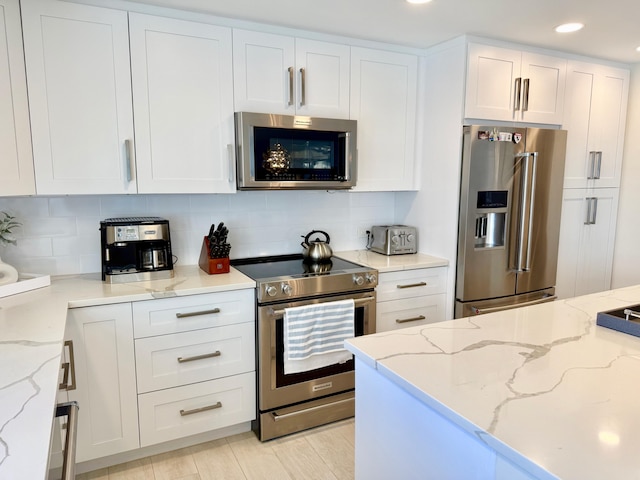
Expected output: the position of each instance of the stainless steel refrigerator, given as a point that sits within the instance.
(509, 222)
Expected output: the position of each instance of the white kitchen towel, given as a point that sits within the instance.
(314, 335)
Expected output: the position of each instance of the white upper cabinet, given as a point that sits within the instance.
(16, 159)
(512, 85)
(79, 81)
(290, 76)
(384, 103)
(183, 102)
(595, 115)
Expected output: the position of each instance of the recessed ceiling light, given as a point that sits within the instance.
(569, 27)
(418, 1)
(638, 49)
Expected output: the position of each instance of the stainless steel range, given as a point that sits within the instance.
(290, 402)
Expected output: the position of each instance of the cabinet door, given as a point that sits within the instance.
(77, 60)
(587, 234)
(263, 72)
(491, 82)
(322, 71)
(183, 103)
(607, 125)
(16, 158)
(383, 101)
(544, 80)
(105, 380)
(595, 115)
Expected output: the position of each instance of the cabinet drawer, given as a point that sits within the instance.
(189, 357)
(397, 314)
(179, 412)
(173, 315)
(411, 283)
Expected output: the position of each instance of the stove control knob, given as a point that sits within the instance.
(286, 288)
(271, 290)
(358, 279)
(372, 278)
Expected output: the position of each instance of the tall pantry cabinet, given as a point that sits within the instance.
(595, 116)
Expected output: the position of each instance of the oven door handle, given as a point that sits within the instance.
(357, 301)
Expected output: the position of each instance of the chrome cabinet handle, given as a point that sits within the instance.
(599, 167)
(184, 413)
(412, 319)
(525, 99)
(217, 353)
(516, 100)
(412, 285)
(128, 160)
(290, 70)
(231, 161)
(592, 210)
(592, 165)
(69, 369)
(195, 314)
(303, 79)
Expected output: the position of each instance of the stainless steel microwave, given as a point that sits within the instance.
(277, 152)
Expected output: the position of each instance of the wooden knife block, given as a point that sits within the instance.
(212, 265)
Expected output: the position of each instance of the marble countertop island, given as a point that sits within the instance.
(543, 386)
(32, 326)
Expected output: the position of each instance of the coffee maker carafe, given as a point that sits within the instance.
(135, 249)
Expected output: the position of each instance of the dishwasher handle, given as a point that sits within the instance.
(70, 410)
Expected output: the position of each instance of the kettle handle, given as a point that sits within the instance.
(306, 239)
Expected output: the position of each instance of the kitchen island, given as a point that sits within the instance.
(535, 392)
(32, 329)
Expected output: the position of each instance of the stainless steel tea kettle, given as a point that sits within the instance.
(316, 250)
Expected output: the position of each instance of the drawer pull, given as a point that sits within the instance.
(411, 285)
(184, 413)
(199, 357)
(195, 314)
(412, 319)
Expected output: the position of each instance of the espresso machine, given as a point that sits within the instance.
(135, 249)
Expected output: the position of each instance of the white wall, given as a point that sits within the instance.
(60, 235)
(626, 256)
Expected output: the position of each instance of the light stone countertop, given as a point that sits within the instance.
(392, 263)
(32, 328)
(541, 384)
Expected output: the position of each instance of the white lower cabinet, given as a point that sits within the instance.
(410, 297)
(587, 237)
(179, 412)
(189, 368)
(193, 379)
(105, 377)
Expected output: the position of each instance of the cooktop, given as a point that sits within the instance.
(260, 268)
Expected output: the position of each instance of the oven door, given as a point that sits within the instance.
(275, 389)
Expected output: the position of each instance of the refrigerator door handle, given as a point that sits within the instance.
(525, 215)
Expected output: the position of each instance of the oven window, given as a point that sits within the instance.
(283, 380)
(298, 154)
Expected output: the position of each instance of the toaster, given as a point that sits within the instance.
(393, 239)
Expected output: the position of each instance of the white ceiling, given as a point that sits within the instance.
(611, 26)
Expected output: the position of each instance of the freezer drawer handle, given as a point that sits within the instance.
(195, 314)
(184, 413)
(548, 298)
(412, 285)
(412, 319)
(199, 357)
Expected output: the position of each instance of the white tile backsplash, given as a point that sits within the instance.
(60, 235)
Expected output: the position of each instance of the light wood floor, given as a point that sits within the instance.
(326, 453)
